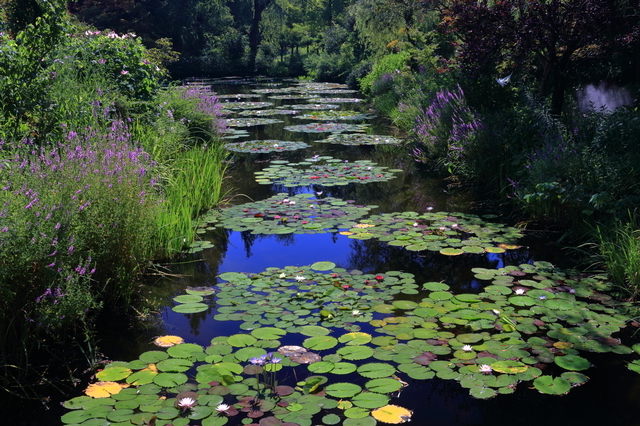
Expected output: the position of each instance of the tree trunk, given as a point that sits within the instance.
(254, 34)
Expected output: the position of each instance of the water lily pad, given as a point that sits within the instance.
(342, 390)
(383, 385)
(190, 308)
(103, 389)
(355, 352)
(323, 266)
(551, 385)
(319, 343)
(375, 370)
(572, 362)
(327, 128)
(336, 115)
(361, 139)
(392, 414)
(113, 374)
(249, 122)
(264, 146)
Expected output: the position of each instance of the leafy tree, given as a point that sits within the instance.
(554, 34)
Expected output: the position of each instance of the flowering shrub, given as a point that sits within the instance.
(445, 129)
(122, 59)
(77, 220)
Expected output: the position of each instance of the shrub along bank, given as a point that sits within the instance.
(101, 170)
(575, 171)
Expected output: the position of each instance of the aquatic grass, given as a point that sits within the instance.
(196, 185)
(619, 247)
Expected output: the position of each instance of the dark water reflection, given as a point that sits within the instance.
(611, 398)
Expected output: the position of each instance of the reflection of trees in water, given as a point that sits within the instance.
(249, 239)
(372, 256)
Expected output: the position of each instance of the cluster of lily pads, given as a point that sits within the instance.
(323, 170)
(249, 122)
(268, 112)
(447, 233)
(337, 115)
(327, 127)
(232, 106)
(531, 324)
(265, 145)
(317, 106)
(360, 139)
(337, 100)
(284, 214)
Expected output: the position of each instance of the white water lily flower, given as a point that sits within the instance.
(467, 348)
(300, 278)
(221, 408)
(186, 403)
(355, 313)
(519, 291)
(415, 223)
(485, 369)
(291, 203)
(495, 311)
(282, 275)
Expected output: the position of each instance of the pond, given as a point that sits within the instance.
(395, 299)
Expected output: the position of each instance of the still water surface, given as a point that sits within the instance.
(612, 397)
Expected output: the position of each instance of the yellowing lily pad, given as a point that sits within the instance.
(168, 341)
(103, 389)
(393, 414)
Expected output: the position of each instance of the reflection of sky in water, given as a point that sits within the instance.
(269, 252)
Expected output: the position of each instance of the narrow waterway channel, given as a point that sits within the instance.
(611, 395)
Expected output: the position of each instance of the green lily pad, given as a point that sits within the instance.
(343, 390)
(572, 362)
(551, 385)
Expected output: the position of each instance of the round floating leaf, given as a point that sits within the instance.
(142, 377)
(383, 385)
(343, 368)
(355, 352)
(392, 414)
(185, 350)
(188, 298)
(314, 330)
(551, 385)
(343, 390)
(170, 380)
(268, 333)
(167, 341)
(331, 419)
(370, 400)
(355, 338)
(103, 389)
(241, 340)
(450, 251)
(482, 392)
(190, 308)
(319, 343)
(112, 374)
(509, 367)
(375, 370)
(174, 365)
(572, 362)
(323, 266)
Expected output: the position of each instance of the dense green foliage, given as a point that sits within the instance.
(484, 89)
(96, 165)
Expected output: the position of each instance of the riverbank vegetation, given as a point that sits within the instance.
(99, 160)
(102, 169)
